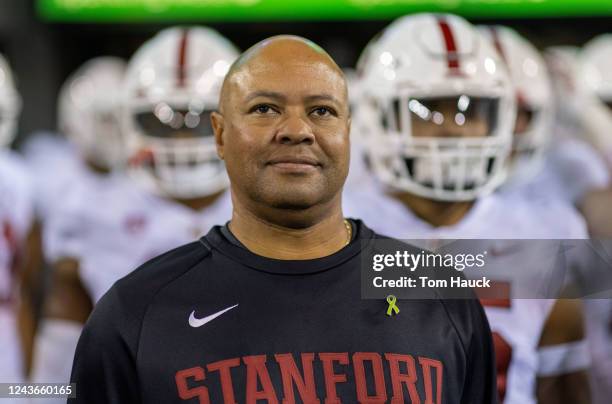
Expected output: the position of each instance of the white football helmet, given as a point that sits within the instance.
(358, 171)
(433, 74)
(10, 104)
(594, 81)
(533, 90)
(88, 110)
(172, 85)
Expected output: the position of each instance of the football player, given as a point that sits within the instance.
(534, 114)
(88, 145)
(87, 120)
(587, 80)
(546, 162)
(19, 251)
(594, 87)
(581, 117)
(580, 167)
(439, 110)
(583, 87)
(176, 188)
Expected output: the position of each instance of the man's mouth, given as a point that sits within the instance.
(295, 164)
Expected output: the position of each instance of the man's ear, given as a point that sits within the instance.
(218, 125)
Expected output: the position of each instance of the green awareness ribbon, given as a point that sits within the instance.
(392, 306)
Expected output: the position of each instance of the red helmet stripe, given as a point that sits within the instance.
(452, 56)
(182, 59)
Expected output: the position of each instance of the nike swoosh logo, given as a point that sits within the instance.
(199, 322)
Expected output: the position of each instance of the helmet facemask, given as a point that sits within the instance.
(443, 147)
(174, 149)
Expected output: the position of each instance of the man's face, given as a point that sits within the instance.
(285, 133)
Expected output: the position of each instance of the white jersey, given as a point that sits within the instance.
(55, 164)
(111, 227)
(598, 319)
(16, 217)
(516, 323)
(571, 168)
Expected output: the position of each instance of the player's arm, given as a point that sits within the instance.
(30, 288)
(563, 356)
(67, 299)
(104, 366)
(66, 308)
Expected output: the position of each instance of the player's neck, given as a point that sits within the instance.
(291, 240)
(436, 213)
(199, 203)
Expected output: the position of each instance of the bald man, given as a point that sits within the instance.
(267, 308)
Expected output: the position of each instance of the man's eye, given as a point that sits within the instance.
(323, 111)
(262, 109)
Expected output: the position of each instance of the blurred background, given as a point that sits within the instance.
(46, 40)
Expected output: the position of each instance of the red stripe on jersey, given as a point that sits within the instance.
(497, 295)
(182, 59)
(452, 57)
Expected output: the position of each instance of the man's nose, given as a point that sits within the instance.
(295, 129)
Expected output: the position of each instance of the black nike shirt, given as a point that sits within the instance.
(211, 322)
